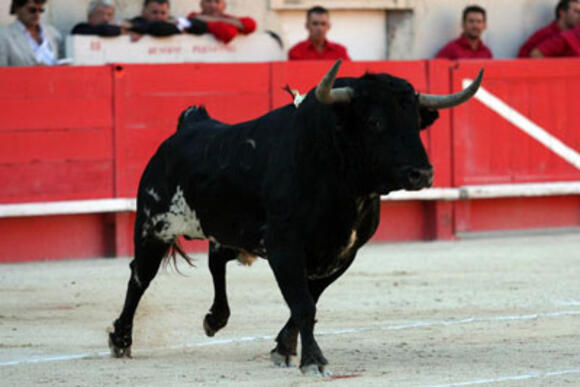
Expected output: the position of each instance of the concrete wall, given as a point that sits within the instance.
(359, 24)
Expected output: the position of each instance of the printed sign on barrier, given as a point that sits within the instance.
(94, 50)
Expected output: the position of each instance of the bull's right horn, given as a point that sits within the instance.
(448, 101)
(326, 94)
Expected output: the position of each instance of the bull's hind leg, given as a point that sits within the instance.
(218, 315)
(148, 256)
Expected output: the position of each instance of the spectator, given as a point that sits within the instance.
(566, 43)
(567, 17)
(317, 46)
(100, 17)
(469, 45)
(213, 20)
(154, 20)
(27, 41)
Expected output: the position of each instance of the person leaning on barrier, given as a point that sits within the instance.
(317, 47)
(27, 41)
(565, 44)
(567, 17)
(154, 20)
(100, 18)
(469, 45)
(213, 20)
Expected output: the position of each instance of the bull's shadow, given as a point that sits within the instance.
(299, 186)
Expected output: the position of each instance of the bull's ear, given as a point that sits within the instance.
(428, 116)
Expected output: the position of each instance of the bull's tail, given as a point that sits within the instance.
(192, 114)
(174, 251)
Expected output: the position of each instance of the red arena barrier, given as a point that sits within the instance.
(74, 141)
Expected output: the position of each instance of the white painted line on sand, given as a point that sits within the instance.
(526, 125)
(501, 379)
(46, 359)
(347, 331)
(567, 303)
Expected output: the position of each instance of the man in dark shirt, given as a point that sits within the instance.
(154, 20)
(100, 18)
(469, 44)
(317, 47)
(567, 17)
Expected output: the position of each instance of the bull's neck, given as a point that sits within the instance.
(326, 155)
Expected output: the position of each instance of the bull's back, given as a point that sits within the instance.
(212, 175)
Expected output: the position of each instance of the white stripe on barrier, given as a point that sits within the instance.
(526, 125)
(76, 207)
(69, 207)
(490, 191)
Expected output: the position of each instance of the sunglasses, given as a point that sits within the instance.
(34, 10)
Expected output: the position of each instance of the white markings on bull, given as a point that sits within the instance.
(527, 126)
(153, 194)
(136, 278)
(178, 220)
(251, 142)
(212, 239)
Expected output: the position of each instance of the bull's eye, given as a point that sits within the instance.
(375, 124)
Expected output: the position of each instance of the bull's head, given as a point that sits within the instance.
(384, 116)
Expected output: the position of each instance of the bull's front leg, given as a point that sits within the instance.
(219, 313)
(286, 342)
(285, 353)
(289, 269)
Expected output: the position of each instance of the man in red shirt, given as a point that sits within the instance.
(566, 43)
(567, 17)
(214, 21)
(469, 44)
(317, 47)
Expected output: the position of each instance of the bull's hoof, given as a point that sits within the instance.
(120, 341)
(315, 370)
(281, 360)
(211, 324)
(209, 331)
(117, 351)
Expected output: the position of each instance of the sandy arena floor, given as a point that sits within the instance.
(481, 311)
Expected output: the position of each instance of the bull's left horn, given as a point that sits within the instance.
(326, 94)
(448, 101)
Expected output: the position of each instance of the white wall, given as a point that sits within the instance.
(434, 22)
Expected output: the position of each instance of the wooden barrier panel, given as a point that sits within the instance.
(55, 134)
(511, 132)
(521, 128)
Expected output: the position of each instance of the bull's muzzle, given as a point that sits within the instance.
(418, 178)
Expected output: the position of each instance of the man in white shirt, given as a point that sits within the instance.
(27, 41)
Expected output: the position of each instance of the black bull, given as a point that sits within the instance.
(299, 186)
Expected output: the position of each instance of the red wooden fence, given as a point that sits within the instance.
(86, 132)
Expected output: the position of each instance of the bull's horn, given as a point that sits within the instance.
(326, 94)
(447, 101)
